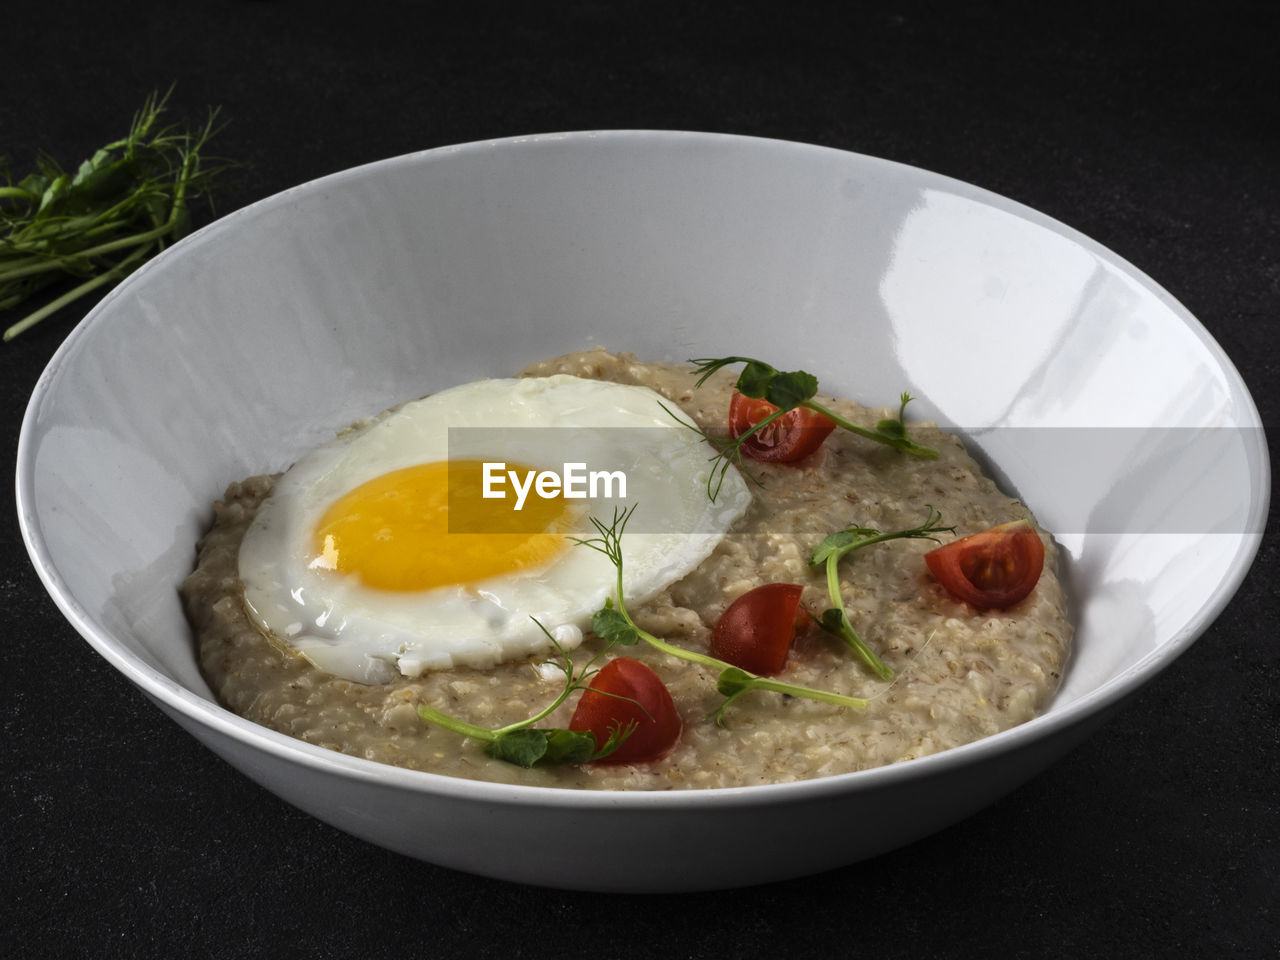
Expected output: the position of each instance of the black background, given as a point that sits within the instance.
(1152, 127)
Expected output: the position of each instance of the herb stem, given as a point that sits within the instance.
(794, 690)
(788, 390)
(832, 550)
(53, 306)
(753, 681)
(456, 725)
(740, 680)
(123, 243)
(51, 264)
(910, 446)
(29, 266)
(847, 633)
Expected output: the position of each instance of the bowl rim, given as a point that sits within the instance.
(197, 709)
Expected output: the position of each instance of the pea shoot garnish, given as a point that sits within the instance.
(120, 207)
(614, 624)
(786, 423)
(838, 545)
(525, 745)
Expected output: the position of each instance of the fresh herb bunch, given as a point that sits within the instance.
(525, 745)
(787, 390)
(838, 545)
(121, 207)
(613, 624)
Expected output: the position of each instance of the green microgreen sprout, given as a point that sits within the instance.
(525, 745)
(787, 390)
(121, 206)
(838, 545)
(613, 623)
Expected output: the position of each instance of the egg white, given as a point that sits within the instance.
(370, 635)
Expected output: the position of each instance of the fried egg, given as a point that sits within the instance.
(398, 547)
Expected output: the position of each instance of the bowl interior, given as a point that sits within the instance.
(1081, 383)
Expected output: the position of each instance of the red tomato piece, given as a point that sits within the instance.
(993, 569)
(648, 703)
(793, 436)
(755, 633)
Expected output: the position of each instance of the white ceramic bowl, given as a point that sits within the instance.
(262, 334)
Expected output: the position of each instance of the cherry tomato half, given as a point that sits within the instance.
(793, 436)
(755, 633)
(992, 569)
(648, 703)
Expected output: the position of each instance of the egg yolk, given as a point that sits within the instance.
(393, 532)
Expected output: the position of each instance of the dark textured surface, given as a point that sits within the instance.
(1151, 127)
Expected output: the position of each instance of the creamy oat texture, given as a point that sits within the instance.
(960, 674)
